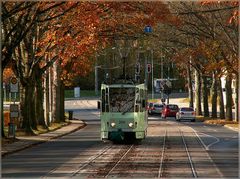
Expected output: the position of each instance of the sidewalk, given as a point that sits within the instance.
(28, 141)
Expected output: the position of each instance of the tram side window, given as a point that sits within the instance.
(107, 100)
(138, 101)
(103, 100)
(141, 97)
(107, 105)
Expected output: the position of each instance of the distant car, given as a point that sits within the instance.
(156, 109)
(170, 110)
(149, 108)
(186, 113)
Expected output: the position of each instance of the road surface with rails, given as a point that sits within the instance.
(171, 149)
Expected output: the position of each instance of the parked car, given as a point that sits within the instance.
(156, 109)
(149, 108)
(186, 113)
(170, 110)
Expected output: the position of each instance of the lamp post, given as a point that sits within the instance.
(152, 74)
(96, 79)
(148, 29)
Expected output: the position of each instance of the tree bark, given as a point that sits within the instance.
(237, 98)
(1, 101)
(214, 96)
(28, 110)
(46, 97)
(205, 96)
(190, 89)
(56, 93)
(198, 93)
(39, 112)
(62, 110)
(221, 101)
(51, 94)
(228, 88)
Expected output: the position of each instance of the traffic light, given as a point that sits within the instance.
(149, 68)
(138, 68)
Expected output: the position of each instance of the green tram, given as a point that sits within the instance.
(123, 111)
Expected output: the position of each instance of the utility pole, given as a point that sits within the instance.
(162, 71)
(146, 73)
(96, 81)
(152, 74)
(96, 77)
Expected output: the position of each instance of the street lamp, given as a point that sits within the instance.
(96, 79)
(148, 29)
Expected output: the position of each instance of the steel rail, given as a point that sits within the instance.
(188, 154)
(106, 176)
(91, 160)
(204, 147)
(162, 156)
(201, 143)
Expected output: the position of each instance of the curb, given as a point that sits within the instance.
(232, 128)
(40, 142)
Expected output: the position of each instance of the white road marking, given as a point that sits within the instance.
(206, 148)
(209, 145)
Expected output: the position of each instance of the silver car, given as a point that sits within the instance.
(186, 113)
(156, 108)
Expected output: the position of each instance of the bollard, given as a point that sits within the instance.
(11, 130)
(70, 115)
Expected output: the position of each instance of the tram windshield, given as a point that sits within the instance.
(122, 99)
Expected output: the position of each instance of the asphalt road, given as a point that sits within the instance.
(171, 149)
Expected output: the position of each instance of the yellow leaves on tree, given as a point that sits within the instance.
(91, 25)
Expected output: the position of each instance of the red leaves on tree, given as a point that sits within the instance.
(92, 25)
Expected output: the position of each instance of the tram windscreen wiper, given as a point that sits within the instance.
(128, 110)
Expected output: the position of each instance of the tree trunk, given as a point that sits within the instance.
(221, 101)
(237, 98)
(62, 110)
(214, 96)
(198, 93)
(56, 93)
(205, 96)
(1, 101)
(39, 112)
(28, 109)
(190, 89)
(46, 98)
(228, 88)
(21, 102)
(50, 94)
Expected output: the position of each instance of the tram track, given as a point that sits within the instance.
(197, 154)
(127, 151)
(91, 161)
(189, 156)
(172, 153)
(162, 155)
(175, 155)
(107, 165)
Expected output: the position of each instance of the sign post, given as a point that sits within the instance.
(14, 109)
(148, 30)
(14, 85)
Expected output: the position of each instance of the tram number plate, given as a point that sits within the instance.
(121, 122)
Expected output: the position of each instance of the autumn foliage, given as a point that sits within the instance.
(77, 35)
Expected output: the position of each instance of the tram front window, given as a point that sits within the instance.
(122, 99)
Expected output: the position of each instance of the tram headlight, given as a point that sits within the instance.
(130, 124)
(113, 124)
